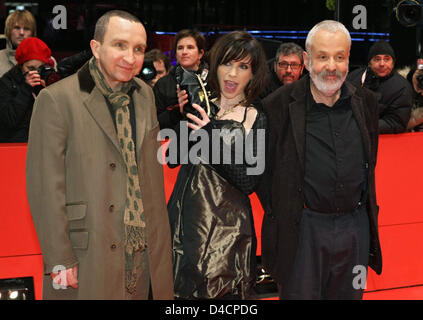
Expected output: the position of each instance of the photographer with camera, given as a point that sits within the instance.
(393, 91)
(190, 47)
(415, 77)
(20, 86)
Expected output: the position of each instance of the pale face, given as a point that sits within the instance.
(382, 65)
(160, 69)
(328, 64)
(19, 32)
(187, 53)
(288, 68)
(121, 55)
(234, 77)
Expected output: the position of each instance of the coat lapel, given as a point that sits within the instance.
(140, 121)
(140, 102)
(96, 104)
(358, 111)
(297, 112)
(97, 107)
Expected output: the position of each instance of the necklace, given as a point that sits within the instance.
(217, 117)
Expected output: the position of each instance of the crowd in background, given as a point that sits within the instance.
(400, 101)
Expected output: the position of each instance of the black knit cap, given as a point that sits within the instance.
(380, 47)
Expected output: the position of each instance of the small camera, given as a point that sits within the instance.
(48, 74)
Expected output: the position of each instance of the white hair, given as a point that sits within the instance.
(331, 26)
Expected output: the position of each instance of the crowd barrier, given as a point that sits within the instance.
(399, 176)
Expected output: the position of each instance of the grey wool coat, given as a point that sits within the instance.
(76, 186)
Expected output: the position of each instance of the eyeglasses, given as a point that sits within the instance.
(294, 66)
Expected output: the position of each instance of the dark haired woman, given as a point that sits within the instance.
(190, 46)
(213, 235)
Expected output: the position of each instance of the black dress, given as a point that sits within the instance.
(213, 236)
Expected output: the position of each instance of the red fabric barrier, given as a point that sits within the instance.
(20, 253)
(398, 176)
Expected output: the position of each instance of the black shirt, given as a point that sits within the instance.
(335, 168)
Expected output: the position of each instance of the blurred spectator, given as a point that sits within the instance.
(69, 65)
(19, 25)
(161, 64)
(19, 87)
(288, 66)
(415, 77)
(393, 91)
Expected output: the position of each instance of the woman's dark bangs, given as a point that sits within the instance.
(236, 51)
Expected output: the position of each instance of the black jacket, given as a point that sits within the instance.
(16, 102)
(281, 190)
(164, 90)
(395, 98)
(274, 83)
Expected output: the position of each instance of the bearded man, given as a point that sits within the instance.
(320, 224)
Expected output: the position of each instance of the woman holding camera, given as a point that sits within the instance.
(213, 235)
(190, 46)
(19, 87)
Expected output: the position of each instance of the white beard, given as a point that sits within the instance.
(327, 88)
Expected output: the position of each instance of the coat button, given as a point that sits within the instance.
(113, 247)
(113, 166)
(111, 208)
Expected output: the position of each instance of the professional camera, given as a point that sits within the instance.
(148, 72)
(193, 84)
(408, 12)
(419, 75)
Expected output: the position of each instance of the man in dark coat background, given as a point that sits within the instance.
(318, 192)
(287, 67)
(394, 93)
